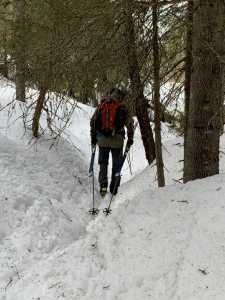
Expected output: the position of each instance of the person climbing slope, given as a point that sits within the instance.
(108, 132)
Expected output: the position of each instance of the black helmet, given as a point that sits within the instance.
(117, 94)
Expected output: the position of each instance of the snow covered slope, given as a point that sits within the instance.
(159, 244)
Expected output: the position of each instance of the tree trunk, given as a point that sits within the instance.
(20, 49)
(136, 84)
(38, 111)
(222, 114)
(207, 90)
(4, 67)
(188, 68)
(156, 97)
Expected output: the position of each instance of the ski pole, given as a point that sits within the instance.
(93, 211)
(91, 167)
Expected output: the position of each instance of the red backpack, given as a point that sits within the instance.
(106, 117)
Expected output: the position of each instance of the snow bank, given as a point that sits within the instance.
(43, 195)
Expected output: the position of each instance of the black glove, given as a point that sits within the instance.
(130, 143)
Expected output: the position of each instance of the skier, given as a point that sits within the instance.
(108, 132)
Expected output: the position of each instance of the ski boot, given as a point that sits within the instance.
(103, 189)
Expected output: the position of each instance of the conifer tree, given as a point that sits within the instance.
(207, 90)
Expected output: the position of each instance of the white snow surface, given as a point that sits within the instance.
(159, 244)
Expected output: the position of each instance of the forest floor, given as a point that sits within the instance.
(159, 244)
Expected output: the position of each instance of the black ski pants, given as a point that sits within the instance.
(103, 160)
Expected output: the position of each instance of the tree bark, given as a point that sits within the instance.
(20, 50)
(207, 90)
(136, 84)
(38, 111)
(156, 96)
(188, 68)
